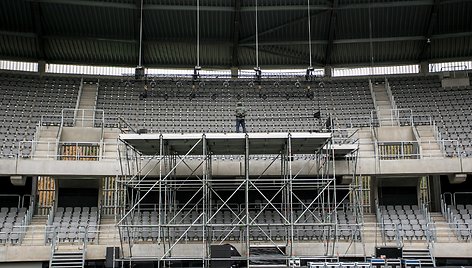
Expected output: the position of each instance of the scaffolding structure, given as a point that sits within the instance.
(264, 212)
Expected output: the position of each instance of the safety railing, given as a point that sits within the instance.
(395, 117)
(84, 151)
(91, 151)
(390, 94)
(106, 234)
(82, 118)
(345, 136)
(394, 150)
(397, 150)
(50, 120)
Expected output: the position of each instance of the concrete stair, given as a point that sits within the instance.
(366, 143)
(383, 105)
(443, 232)
(370, 232)
(46, 146)
(35, 234)
(109, 234)
(87, 103)
(110, 141)
(429, 144)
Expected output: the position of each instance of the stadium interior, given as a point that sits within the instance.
(119, 148)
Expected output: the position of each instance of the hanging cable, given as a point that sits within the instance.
(309, 32)
(198, 33)
(257, 41)
(141, 36)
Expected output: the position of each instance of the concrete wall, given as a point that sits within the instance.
(455, 82)
(395, 134)
(22, 265)
(81, 134)
(365, 166)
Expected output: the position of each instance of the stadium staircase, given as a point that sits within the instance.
(383, 106)
(110, 143)
(66, 259)
(428, 142)
(366, 143)
(46, 146)
(109, 234)
(35, 232)
(421, 255)
(443, 232)
(86, 104)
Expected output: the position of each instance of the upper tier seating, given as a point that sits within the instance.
(449, 107)
(175, 107)
(24, 99)
(172, 108)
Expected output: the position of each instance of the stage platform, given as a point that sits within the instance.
(235, 143)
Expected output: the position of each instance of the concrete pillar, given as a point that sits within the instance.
(41, 67)
(234, 72)
(373, 193)
(424, 67)
(328, 71)
(435, 192)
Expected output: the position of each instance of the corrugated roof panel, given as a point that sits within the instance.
(352, 24)
(88, 21)
(295, 56)
(15, 15)
(174, 54)
(226, 3)
(455, 17)
(400, 21)
(18, 47)
(182, 24)
(285, 25)
(93, 52)
(451, 48)
(170, 24)
(400, 51)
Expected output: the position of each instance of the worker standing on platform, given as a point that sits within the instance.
(240, 117)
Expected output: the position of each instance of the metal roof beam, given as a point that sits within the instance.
(304, 59)
(246, 8)
(236, 32)
(133, 5)
(433, 17)
(331, 31)
(360, 40)
(88, 3)
(36, 15)
(352, 6)
(281, 26)
(19, 34)
(91, 39)
(266, 43)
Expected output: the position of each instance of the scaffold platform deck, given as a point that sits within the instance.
(235, 143)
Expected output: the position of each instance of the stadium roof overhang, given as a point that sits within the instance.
(343, 32)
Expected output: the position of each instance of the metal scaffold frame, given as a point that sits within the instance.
(193, 209)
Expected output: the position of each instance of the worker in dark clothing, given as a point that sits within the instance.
(240, 117)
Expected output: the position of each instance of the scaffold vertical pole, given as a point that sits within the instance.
(246, 176)
(204, 201)
(290, 192)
